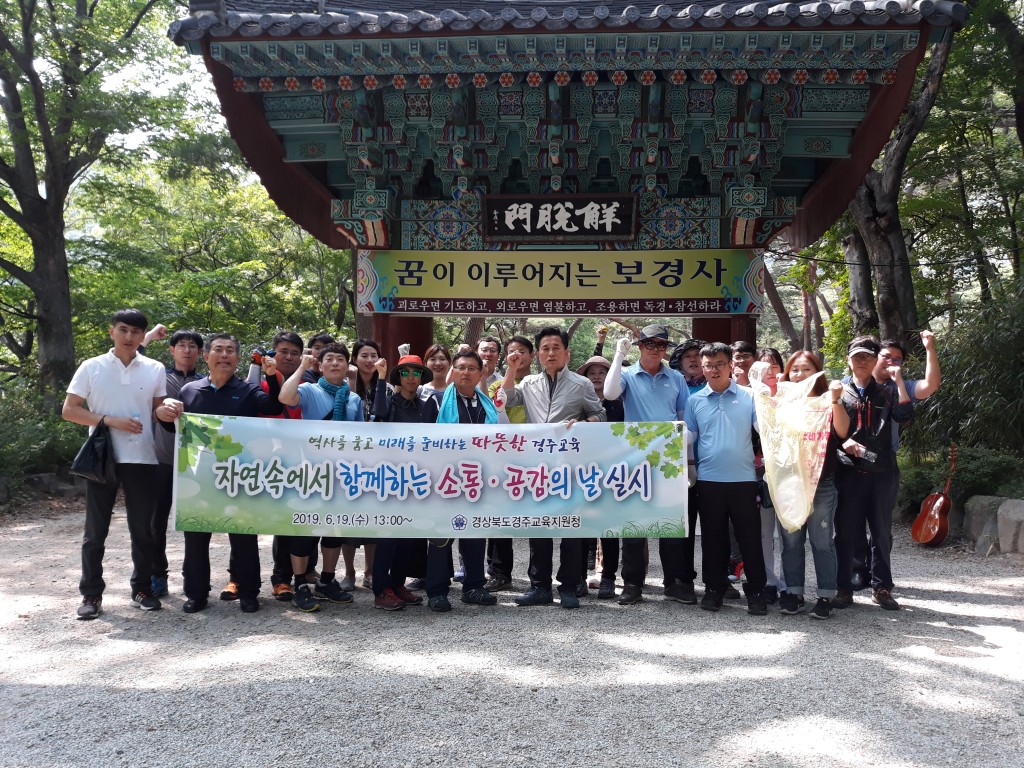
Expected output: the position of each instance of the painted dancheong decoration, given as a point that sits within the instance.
(731, 123)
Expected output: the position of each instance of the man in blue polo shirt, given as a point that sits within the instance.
(652, 391)
(719, 419)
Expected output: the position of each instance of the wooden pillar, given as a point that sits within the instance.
(391, 330)
(726, 329)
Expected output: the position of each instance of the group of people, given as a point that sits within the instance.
(704, 384)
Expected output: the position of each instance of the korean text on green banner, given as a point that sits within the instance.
(320, 478)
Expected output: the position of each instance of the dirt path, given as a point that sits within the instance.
(659, 684)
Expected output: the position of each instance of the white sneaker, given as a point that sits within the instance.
(348, 583)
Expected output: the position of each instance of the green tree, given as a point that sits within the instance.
(68, 100)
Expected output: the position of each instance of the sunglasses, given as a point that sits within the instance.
(655, 345)
(405, 373)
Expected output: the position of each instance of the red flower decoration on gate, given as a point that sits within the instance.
(345, 83)
(399, 82)
(889, 77)
(678, 76)
(800, 76)
(238, 83)
(291, 83)
(619, 77)
(708, 76)
(319, 84)
(424, 81)
(266, 84)
(772, 76)
(370, 83)
(480, 80)
(830, 76)
(562, 78)
(534, 79)
(647, 77)
(860, 76)
(506, 80)
(590, 78)
(453, 80)
(739, 77)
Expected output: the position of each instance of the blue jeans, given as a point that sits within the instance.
(818, 529)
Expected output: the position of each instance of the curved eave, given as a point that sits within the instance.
(299, 195)
(220, 23)
(827, 199)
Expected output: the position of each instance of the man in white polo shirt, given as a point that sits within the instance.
(123, 389)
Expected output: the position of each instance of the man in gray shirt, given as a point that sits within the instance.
(557, 395)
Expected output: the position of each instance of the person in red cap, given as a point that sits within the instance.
(405, 406)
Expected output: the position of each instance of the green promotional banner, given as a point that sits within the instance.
(321, 478)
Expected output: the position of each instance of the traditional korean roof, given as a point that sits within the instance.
(247, 18)
(384, 126)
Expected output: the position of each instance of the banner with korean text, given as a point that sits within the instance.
(321, 478)
(560, 282)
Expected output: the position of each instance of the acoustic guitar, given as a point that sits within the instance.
(932, 523)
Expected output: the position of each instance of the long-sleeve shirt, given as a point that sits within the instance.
(547, 401)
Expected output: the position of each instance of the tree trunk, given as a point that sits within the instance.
(862, 297)
(785, 321)
(972, 237)
(474, 330)
(875, 211)
(51, 287)
(819, 326)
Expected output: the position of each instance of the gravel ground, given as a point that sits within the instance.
(657, 684)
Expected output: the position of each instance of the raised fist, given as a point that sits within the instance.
(623, 345)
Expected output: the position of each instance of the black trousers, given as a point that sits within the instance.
(720, 504)
(671, 552)
(865, 497)
(161, 516)
(500, 557)
(245, 564)
(391, 562)
(609, 558)
(138, 482)
(687, 571)
(541, 562)
(439, 566)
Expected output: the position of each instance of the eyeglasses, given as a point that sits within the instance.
(891, 359)
(714, 366)
(742, 356)
(654, 344)
(405, 373)
(466, 369)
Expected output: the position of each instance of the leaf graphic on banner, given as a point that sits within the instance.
(642, 435)
(224, 447)
(199, 433)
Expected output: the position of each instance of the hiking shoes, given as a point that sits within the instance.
(90, 607)
(146, 602)
(332, 592)
(478, 596)
(304, 600)
(535, 596)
